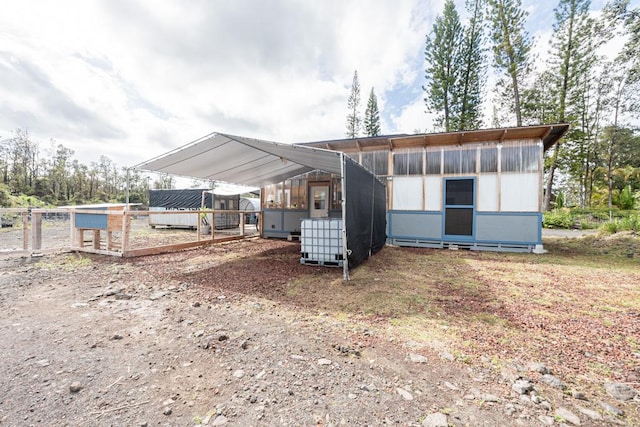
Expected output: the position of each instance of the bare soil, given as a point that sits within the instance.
(243, 334)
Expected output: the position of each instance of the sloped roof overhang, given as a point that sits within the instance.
(241, 160)
(549, 134)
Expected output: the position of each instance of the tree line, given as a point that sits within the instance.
(598, 162)
(52, 175)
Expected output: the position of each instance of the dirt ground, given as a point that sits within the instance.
(213, 336)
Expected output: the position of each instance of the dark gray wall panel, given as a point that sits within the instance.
(418, 225)
(292, 219)
(508, 228)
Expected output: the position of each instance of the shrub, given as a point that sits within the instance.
(626, 200)
(630, 223)
(558, 218)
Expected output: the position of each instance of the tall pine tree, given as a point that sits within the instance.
(455, 70)
(473, 71)
(511, 45)
(443, 67)
(372, 116)
(571, 49)
(353, 105)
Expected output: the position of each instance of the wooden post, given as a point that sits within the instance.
(72, 227)
(198, 221)
(242, 219)
(126, 222)
(96, 239)
(36, 230)
(25, 230)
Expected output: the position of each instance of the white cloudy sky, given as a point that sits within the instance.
(134, 79)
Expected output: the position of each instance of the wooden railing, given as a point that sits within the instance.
(110, 231)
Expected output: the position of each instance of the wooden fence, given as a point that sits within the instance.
(108, 231)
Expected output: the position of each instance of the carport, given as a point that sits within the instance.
(253, 162)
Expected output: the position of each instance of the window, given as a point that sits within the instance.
(460, 161)
(489, 159)
(459, 192)
(377, 162)
(407, 163)
(520, 158)
(336, 191)
(297, 189)
(434, 162)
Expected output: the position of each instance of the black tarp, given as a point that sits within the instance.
(365, 212)
(190, 198)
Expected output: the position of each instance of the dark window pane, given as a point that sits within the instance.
(489, 160)
(468, 161)
(452, 161)
(433, 162)
(407, 163)
(376, 161)
(459, 192)
(458, 221)
(382, 162)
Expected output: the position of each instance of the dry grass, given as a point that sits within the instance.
(576, 308)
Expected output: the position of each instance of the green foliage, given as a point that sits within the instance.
(560, 200)
(558, 218)
(626, 200)
(4, 196)
(473, 72)
(53, 177)
(511, 45)
(442, 56)
(372, 116)
(630, 223)
(455, 70)
(590, 219)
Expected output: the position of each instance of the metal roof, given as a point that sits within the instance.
(549, 134)
(242, 160)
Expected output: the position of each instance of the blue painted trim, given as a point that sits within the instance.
(403, 212)
(506, 242)
(435, 239)
(490, 213)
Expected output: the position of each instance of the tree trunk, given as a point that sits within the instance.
(552, 171)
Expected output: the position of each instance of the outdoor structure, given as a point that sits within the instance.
(359, 196)
(89, 218)
(480, 190)
(250, 204)
(477, 189)
(193, 199)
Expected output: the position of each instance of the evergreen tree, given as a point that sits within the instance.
(571, 51)
(372, 116)
(442, 55)
(353, 105)
(455, 69)
(473, 71)
(511, 47)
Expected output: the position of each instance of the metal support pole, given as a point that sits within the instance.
(345, 249)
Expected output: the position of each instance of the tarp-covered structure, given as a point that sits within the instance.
(253, 162)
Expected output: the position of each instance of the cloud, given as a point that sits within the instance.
(132, 80)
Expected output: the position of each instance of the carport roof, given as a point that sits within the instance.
(242, 160)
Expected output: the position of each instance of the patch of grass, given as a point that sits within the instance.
(491, 319)
(67, 262)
